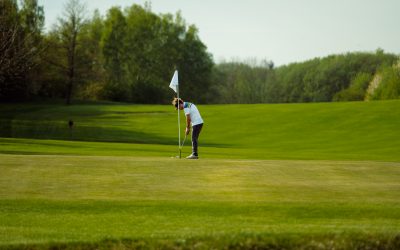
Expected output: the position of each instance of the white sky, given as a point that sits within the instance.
(283, 31)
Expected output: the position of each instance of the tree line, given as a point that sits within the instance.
(129, 55)
(353, 76)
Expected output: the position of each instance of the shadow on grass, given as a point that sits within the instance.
(50, 123)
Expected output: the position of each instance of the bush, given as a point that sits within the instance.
(389, 87)
(357, 89)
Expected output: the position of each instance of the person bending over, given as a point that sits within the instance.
(194, 120)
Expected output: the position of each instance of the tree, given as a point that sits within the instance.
(320, 79)
(357, 89)
(197, 64)
(144, 61)
(20, 47)
(91, 60)
(114, 51)
(142, 55)
(32, 21)
(9, 44)
(389, 85)
(67, 30)
(242, 82)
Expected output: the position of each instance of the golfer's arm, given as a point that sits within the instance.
(188, 121)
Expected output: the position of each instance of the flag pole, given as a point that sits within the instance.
(175, 86)
(179, 124)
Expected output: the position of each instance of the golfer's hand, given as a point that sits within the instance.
(187, 131)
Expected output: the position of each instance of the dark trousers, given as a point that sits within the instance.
(195, 138)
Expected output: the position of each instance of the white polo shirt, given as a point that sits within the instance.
(191, 109)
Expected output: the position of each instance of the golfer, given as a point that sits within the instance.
(193, 118)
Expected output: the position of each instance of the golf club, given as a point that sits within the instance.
(181, 146)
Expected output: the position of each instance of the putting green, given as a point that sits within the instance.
(90, 198)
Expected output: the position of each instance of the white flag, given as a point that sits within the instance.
(174, 82)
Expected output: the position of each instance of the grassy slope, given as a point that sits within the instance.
(93, 193)
(348, 131)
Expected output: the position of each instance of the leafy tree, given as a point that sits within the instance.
(357, 89)
(153, 46)
(20, 47)
(53, 67)
(389, 86)
(196, 64)
(9, 31)
(115, 56)
(319, 80)
(145, 65)
(88, 64)
(91, 61)
(65, 43)
(241, 82)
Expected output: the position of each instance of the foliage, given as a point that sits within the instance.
(237, 82)
(67, 30)
(357, 89)
(389, 86)
(112, 45)
(92, 72)
(74, 58)
(319, 80)
(129, 55)
(20, 48)
(141, 50)
(333, 78)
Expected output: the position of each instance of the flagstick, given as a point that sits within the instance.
(179, 124)
(175, 86)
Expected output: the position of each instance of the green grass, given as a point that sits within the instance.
(304, 176)
(322, 131)
(87, 199)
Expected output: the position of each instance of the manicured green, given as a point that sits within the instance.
(304, 176)
(84, 198)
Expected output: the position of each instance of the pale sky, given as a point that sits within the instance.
(283, 31)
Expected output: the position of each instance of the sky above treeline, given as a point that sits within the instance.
(282, 31)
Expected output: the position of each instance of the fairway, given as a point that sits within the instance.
(315, 131)
(273, 184)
